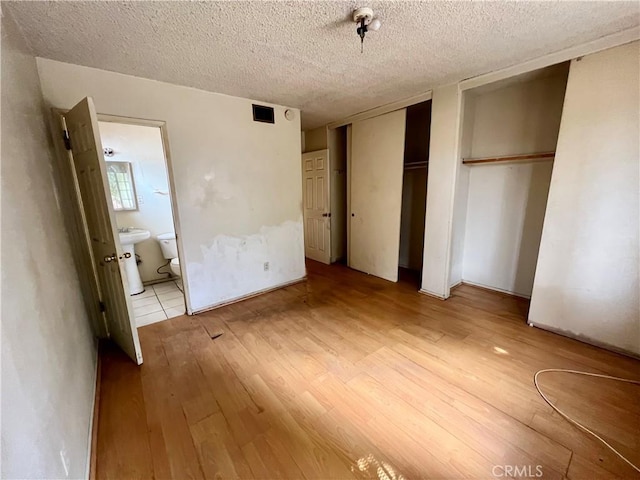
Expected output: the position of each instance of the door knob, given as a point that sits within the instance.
(326, 214)
(113, 257)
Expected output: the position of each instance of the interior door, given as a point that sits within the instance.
(377, 162)
(90, 169)
(315, 191)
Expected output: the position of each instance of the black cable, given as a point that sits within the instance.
(162, 266)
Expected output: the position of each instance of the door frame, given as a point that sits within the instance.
(164, 134)
(90, 287)
(327, 200)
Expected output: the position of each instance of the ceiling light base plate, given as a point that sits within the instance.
(363, 12)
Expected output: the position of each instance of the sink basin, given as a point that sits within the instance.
(133, 236)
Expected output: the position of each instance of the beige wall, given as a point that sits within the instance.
(316, 139)
(48, 352)
(377, 152)
(238, 182)
(142, 147)
(587, 280)
(523, 117)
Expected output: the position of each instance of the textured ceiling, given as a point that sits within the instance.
(306, 54)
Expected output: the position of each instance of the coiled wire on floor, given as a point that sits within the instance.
(571, 420)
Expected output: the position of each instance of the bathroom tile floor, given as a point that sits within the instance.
(158, 302)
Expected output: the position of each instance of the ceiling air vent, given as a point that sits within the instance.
(263, 114)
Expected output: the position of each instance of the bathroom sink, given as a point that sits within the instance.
(128, 238)
(131, 236)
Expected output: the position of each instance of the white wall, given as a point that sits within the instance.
(443, 173)
(506, 202)
(461, 201)
(505, 211)
(142, 147)
(461, 190)
(48, 351)
(238, 182)
(587, 281)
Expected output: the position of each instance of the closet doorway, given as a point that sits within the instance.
(388, 167)
(509, 134)
(414, 192)
(324, 193)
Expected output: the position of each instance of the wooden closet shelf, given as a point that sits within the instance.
(509, 158)
(415, 165)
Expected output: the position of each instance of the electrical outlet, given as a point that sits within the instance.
(65, 461)
(266, 266)
(140, 200)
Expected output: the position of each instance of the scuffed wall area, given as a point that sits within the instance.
(248, 262)
(48, 351)
(234, 178)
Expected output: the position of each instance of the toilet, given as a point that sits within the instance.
(169, 248)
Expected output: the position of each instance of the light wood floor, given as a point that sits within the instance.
(345, 374)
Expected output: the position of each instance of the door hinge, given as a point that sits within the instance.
(66, 139)
(102, 306)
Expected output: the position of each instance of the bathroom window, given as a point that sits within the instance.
(123, 191)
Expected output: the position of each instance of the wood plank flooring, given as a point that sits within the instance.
(348, 376)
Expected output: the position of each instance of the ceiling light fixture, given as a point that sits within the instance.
(363, 16)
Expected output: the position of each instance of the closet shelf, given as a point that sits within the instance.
(510, 158)
(415, 165)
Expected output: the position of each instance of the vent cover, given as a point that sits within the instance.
(263, 114)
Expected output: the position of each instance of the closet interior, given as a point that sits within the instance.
(508, 140)
(414, 190)
(338, 152)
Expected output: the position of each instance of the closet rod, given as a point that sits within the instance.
(510, 158)
(415, 165)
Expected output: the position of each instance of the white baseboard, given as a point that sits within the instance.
(495, 289)
(583, 339)
(433, 295)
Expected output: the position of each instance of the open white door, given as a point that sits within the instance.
(315, 191)
(377, 162)
(86, 149)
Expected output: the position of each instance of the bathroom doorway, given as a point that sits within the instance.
(140, 189)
